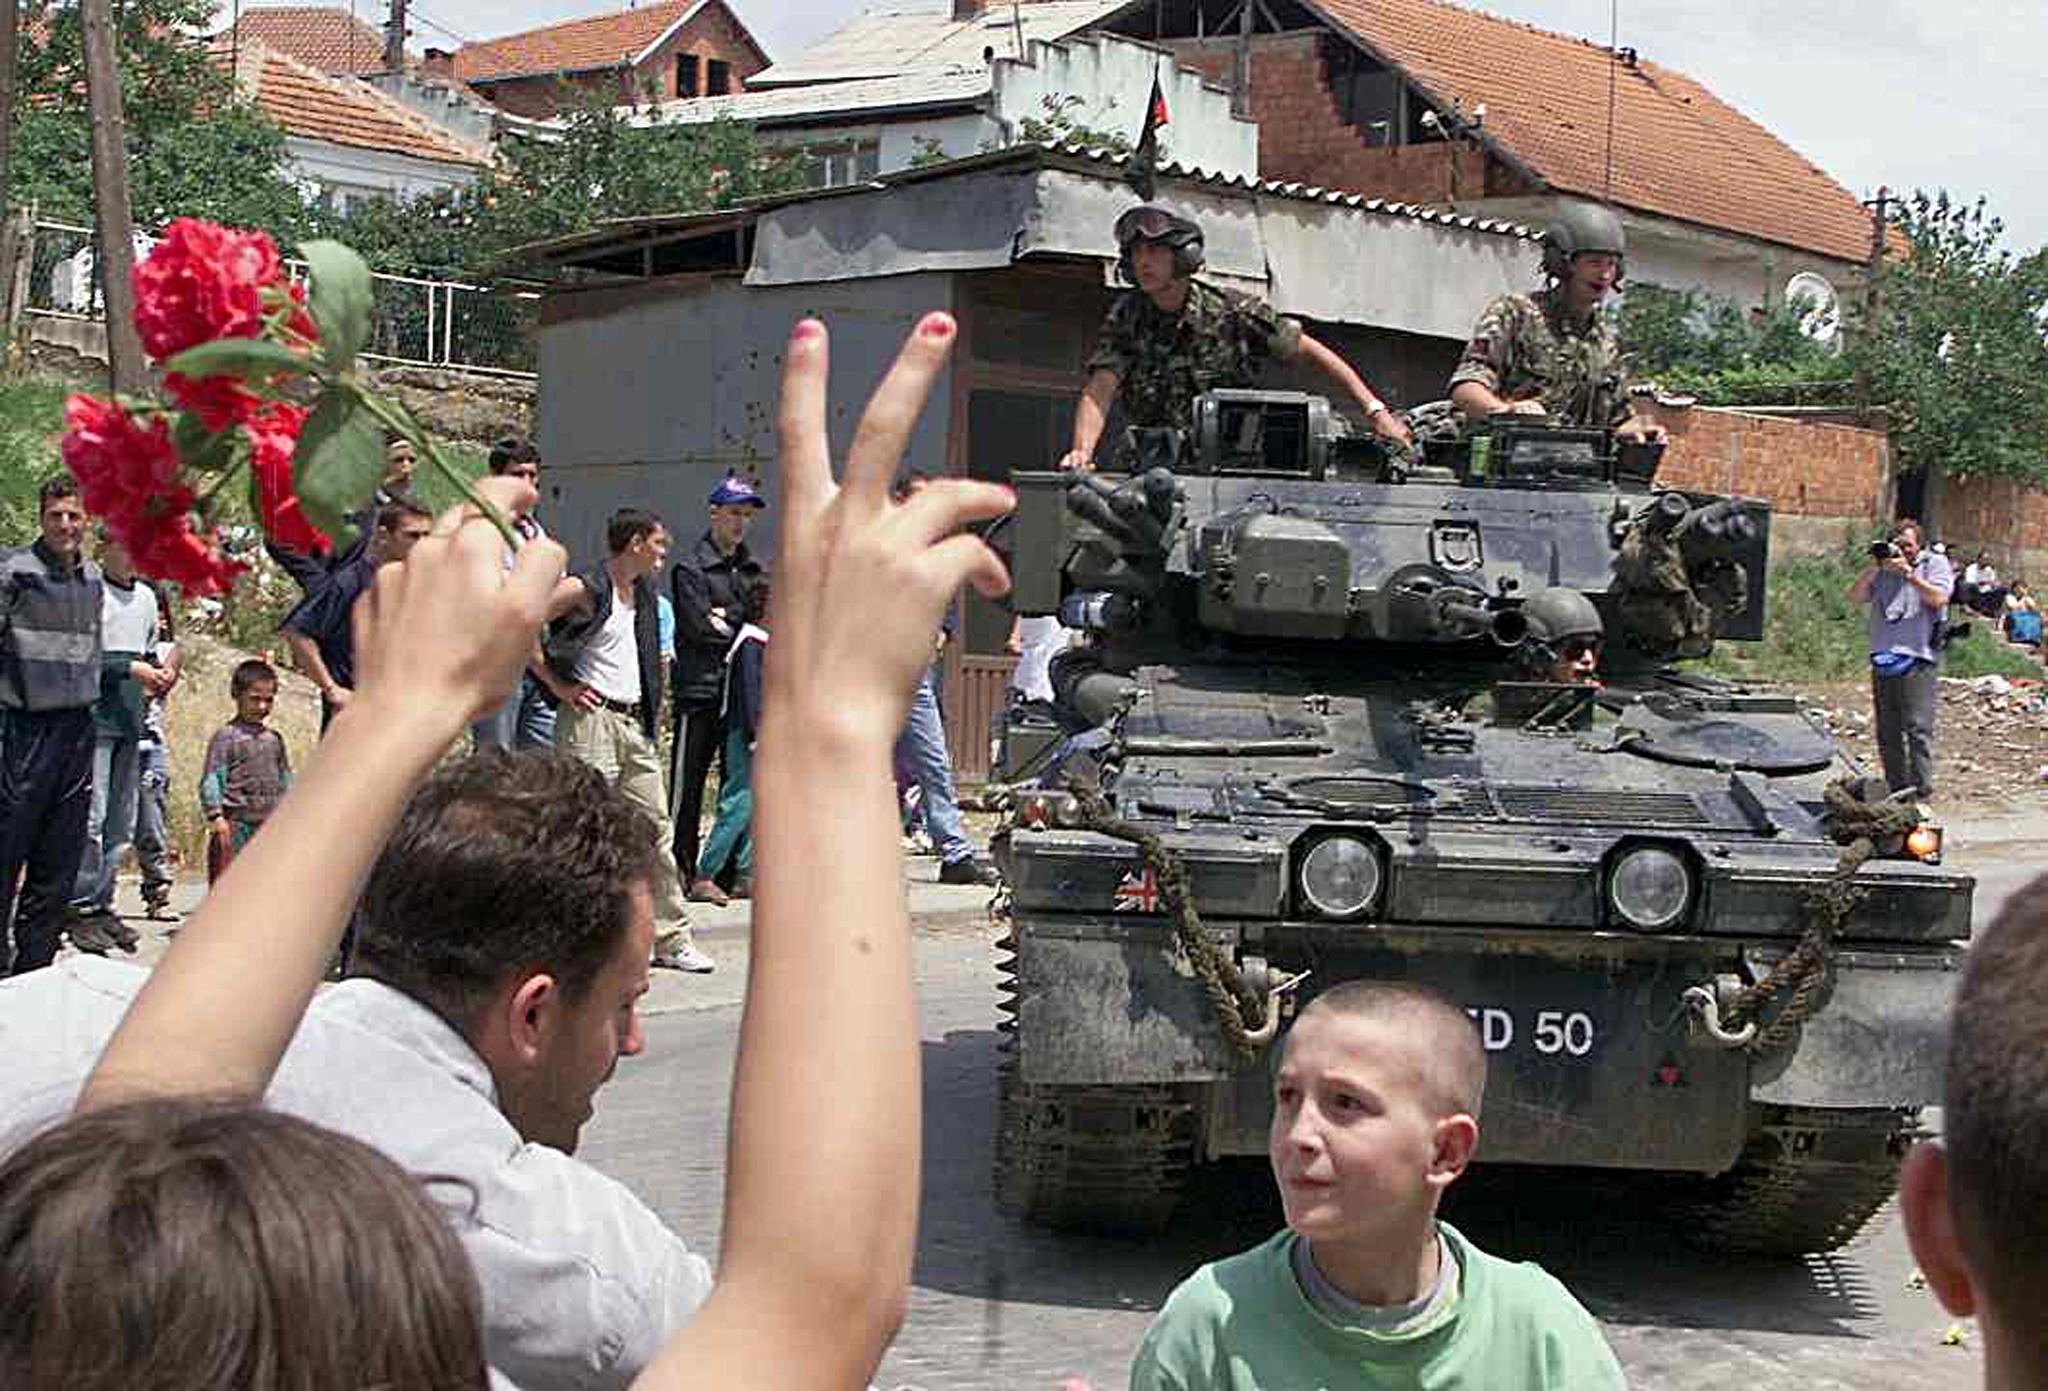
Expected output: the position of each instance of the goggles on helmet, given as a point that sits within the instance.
(1149, 224)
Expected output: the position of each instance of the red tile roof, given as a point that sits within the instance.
(339, 109)
(328, 39)
(1679, 151)
(579, 45)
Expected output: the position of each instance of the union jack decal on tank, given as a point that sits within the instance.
(1137, 892)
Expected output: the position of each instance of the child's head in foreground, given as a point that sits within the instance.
(1375, 1111)
(254, 687)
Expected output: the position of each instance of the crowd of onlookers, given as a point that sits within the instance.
(210, 1177)
(636, 646)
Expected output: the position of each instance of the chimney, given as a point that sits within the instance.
(439, 62)
(964, 10)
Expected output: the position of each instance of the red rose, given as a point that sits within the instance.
(219, 402)
(203, 282)
(120, 463)
(165, 547)
(273, 437)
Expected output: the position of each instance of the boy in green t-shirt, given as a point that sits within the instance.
(1376, 1105)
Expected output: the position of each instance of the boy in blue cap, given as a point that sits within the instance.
(710, 587)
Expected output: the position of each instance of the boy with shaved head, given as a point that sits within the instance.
(1375, 1114)
(1976, 1202)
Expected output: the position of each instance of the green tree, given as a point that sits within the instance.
(1956, 349)
(603, 165)
(1711, 347)
(195, 147)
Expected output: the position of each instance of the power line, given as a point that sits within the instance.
(423, 17)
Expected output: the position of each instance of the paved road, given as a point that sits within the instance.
(996, 1306)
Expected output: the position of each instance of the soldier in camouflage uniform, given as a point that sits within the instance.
(1553, 352)
(1172, 338)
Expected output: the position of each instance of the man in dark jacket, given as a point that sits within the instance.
(603, 665)
(49, 678)
(711, 588)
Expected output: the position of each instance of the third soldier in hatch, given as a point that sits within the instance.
(1553, 352)
(1172, 338)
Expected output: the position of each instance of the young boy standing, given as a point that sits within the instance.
(247, 768)
(1376, 1106)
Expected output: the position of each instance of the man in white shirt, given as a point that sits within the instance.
(501, 953)
(604, 666)
(129, 678)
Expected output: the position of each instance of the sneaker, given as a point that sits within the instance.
(157, 906)
(707, 891)
(743, 887)
(917, 843)
(971, 870)
(684, 958)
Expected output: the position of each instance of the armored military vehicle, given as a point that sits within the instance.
(1303, 742)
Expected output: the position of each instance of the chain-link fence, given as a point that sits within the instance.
(426, 323)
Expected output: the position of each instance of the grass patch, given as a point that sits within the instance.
(31, 418)
(1813, 632)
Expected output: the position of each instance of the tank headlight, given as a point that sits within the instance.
(1340, 876)
(1649, 887)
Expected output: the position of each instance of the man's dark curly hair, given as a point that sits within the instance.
(502, 864)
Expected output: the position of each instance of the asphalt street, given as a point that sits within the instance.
(997, 1306)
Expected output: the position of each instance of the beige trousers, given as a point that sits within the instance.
(613, 744)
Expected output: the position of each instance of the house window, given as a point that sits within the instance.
(686, 74)
(717, 78)
(834, 166)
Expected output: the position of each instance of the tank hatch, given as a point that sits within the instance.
(1756, 741)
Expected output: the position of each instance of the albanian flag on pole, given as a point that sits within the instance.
(1144, 161)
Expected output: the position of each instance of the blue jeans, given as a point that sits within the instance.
(152, 846)
(524, 721)
(922, 747)
(732, 828)
(110, 824)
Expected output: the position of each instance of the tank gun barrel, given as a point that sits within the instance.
(1423, 604)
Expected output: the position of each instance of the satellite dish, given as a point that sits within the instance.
(1819, 308)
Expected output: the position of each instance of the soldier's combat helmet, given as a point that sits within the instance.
(1579, 228)
(1558, 620)
(1152, 222)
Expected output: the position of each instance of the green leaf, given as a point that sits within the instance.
(340, 300)
(236, 357)
(207, 452)
(339, 461)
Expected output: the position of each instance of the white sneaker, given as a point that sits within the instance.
(685, 958)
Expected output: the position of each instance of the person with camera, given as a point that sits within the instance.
(1908, 589)
(1171, 338)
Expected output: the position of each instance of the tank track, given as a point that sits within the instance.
(1807, 1182)
(1110, 1160)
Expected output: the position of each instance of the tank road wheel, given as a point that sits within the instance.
(1112, 1160)
(1108, 1160)
(1807, 1181)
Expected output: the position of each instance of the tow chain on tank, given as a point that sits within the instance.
(1859, 826)
(1234, 1004)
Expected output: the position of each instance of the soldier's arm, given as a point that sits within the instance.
(1089, 414)
(1384, 422)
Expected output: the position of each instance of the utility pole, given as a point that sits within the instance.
(10, 45)
(1873, 275)
(394, 38)
(1241, 64)
(112, 220)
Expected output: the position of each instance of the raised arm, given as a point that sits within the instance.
(438, 640)
(822, 1174)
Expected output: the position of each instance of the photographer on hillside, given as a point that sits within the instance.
(1907, 589)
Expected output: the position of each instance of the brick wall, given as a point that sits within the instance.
(1304, 138)
(1998, 515)
(711, 34)
(1802, 468)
